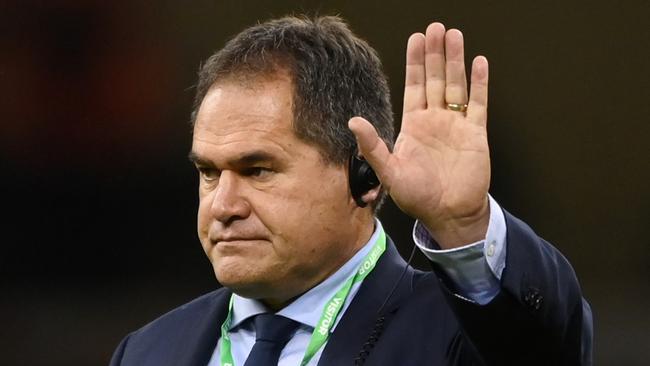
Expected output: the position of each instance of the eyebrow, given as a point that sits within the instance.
(246, 158)
(198, 160)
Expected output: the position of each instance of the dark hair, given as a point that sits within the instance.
(335, 76)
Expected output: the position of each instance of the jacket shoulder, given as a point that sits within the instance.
(169, 339)
(187, 311)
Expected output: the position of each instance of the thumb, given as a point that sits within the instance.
(371, 146)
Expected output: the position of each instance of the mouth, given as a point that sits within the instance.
(230, 239)
(238, 246)
(236, 242)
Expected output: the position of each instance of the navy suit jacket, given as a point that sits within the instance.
(538, 318)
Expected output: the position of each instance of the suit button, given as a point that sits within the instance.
(533, 299)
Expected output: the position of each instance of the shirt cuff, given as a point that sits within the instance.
(475, 268)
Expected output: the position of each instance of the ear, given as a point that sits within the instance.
(371, 195)
(362, 180)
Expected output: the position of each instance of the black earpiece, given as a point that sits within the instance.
(362, 178)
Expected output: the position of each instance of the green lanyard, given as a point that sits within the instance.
(330, 311)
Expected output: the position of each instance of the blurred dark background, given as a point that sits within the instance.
(98, 199)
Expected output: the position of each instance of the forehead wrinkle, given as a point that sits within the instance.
(234, 148)
(218, 110)
(225, 132)
(239, 129)
(223, 124)
(251, 132)
(250, 146)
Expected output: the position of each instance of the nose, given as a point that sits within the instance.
(228, 203)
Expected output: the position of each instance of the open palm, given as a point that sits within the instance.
(439, 170)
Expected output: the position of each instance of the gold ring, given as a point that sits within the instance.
(457, 107)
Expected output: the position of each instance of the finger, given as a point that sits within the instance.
(478, 97)
(435, 65)
(371, 146)
(456, 83)
(414, 85)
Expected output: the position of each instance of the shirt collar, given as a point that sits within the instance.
(308, 308)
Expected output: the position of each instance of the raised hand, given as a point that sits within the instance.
(439, 170)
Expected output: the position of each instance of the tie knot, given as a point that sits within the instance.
(274, 328)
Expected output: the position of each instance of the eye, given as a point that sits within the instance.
(258, 172)
(208, 174)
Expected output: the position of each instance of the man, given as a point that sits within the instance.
(287, 216)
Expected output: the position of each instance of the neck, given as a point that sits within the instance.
(276, 304)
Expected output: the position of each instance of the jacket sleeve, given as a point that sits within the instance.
(539, 316)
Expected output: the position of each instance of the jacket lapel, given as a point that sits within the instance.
(360, 318)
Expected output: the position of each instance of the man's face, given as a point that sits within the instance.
(274, 218)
